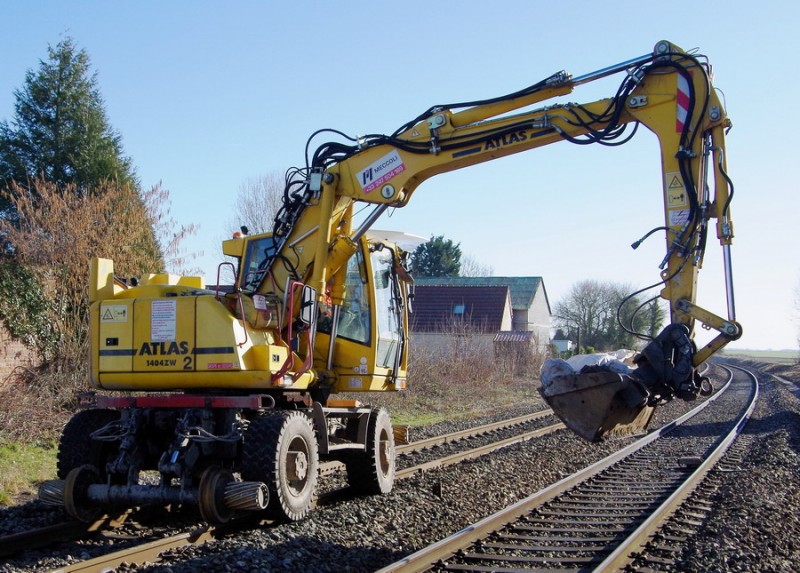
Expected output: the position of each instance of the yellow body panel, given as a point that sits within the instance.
(165, 336)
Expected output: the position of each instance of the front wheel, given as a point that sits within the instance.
(372, 471)
(281, 450)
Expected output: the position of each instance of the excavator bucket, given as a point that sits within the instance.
(596, 405)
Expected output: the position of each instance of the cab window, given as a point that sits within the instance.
(256, 262)
(354, 316)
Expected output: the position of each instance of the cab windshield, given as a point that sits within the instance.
(256, 262)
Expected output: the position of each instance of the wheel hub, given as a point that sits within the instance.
(296, 465)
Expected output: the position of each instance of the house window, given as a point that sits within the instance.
(459, 309)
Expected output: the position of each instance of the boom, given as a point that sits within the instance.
(669, 92)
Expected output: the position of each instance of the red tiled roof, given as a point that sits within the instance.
(436, 308)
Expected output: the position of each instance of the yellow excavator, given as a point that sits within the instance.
(225, 399)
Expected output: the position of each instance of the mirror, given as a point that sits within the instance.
(308, 305)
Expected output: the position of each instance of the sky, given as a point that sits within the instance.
(207, 95)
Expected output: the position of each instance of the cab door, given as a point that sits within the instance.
(388, 308)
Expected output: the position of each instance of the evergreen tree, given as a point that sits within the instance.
(439, 257)
(60, 131)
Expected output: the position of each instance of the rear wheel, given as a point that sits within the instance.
(76, 447)
(281, 450)
(372, 471)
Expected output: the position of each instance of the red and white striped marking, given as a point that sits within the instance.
(682, 111)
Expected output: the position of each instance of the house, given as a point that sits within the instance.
(437, 308)
(485, 303)
(562, 345)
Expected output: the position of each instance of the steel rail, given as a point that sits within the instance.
(65, 531)
(148, 552)
(330, 467)
(141, 554)
(427, 557)
(476, 452)
(426, 443)
(70, 530)
(44, 536)
(626, 552)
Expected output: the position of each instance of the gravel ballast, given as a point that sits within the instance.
(754, 526)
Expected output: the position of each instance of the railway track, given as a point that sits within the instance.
(148, 551)
(605, 517)
(512, 431)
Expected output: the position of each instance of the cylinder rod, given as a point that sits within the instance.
(726, 259)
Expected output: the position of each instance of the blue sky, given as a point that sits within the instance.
(209, 94)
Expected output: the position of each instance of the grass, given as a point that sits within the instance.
(765, 355)
(24, 467)
(417, 407)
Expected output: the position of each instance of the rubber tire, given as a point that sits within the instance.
(266, 445)
(76, 447)
(372, 472)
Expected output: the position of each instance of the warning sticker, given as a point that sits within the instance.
(673, 180)
(676, 192)
(678, 218)
(676, 199)
(114, 313)
(163, 320)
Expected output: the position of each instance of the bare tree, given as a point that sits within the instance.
(55, 234)
(257, 201)
(592, 307)
(470, 267)
(171, 235)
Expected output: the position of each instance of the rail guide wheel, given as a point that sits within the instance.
(281, 450)
(76, 499)
(372, 471)
(211, 495)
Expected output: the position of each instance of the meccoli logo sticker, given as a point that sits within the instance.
(381, 171)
